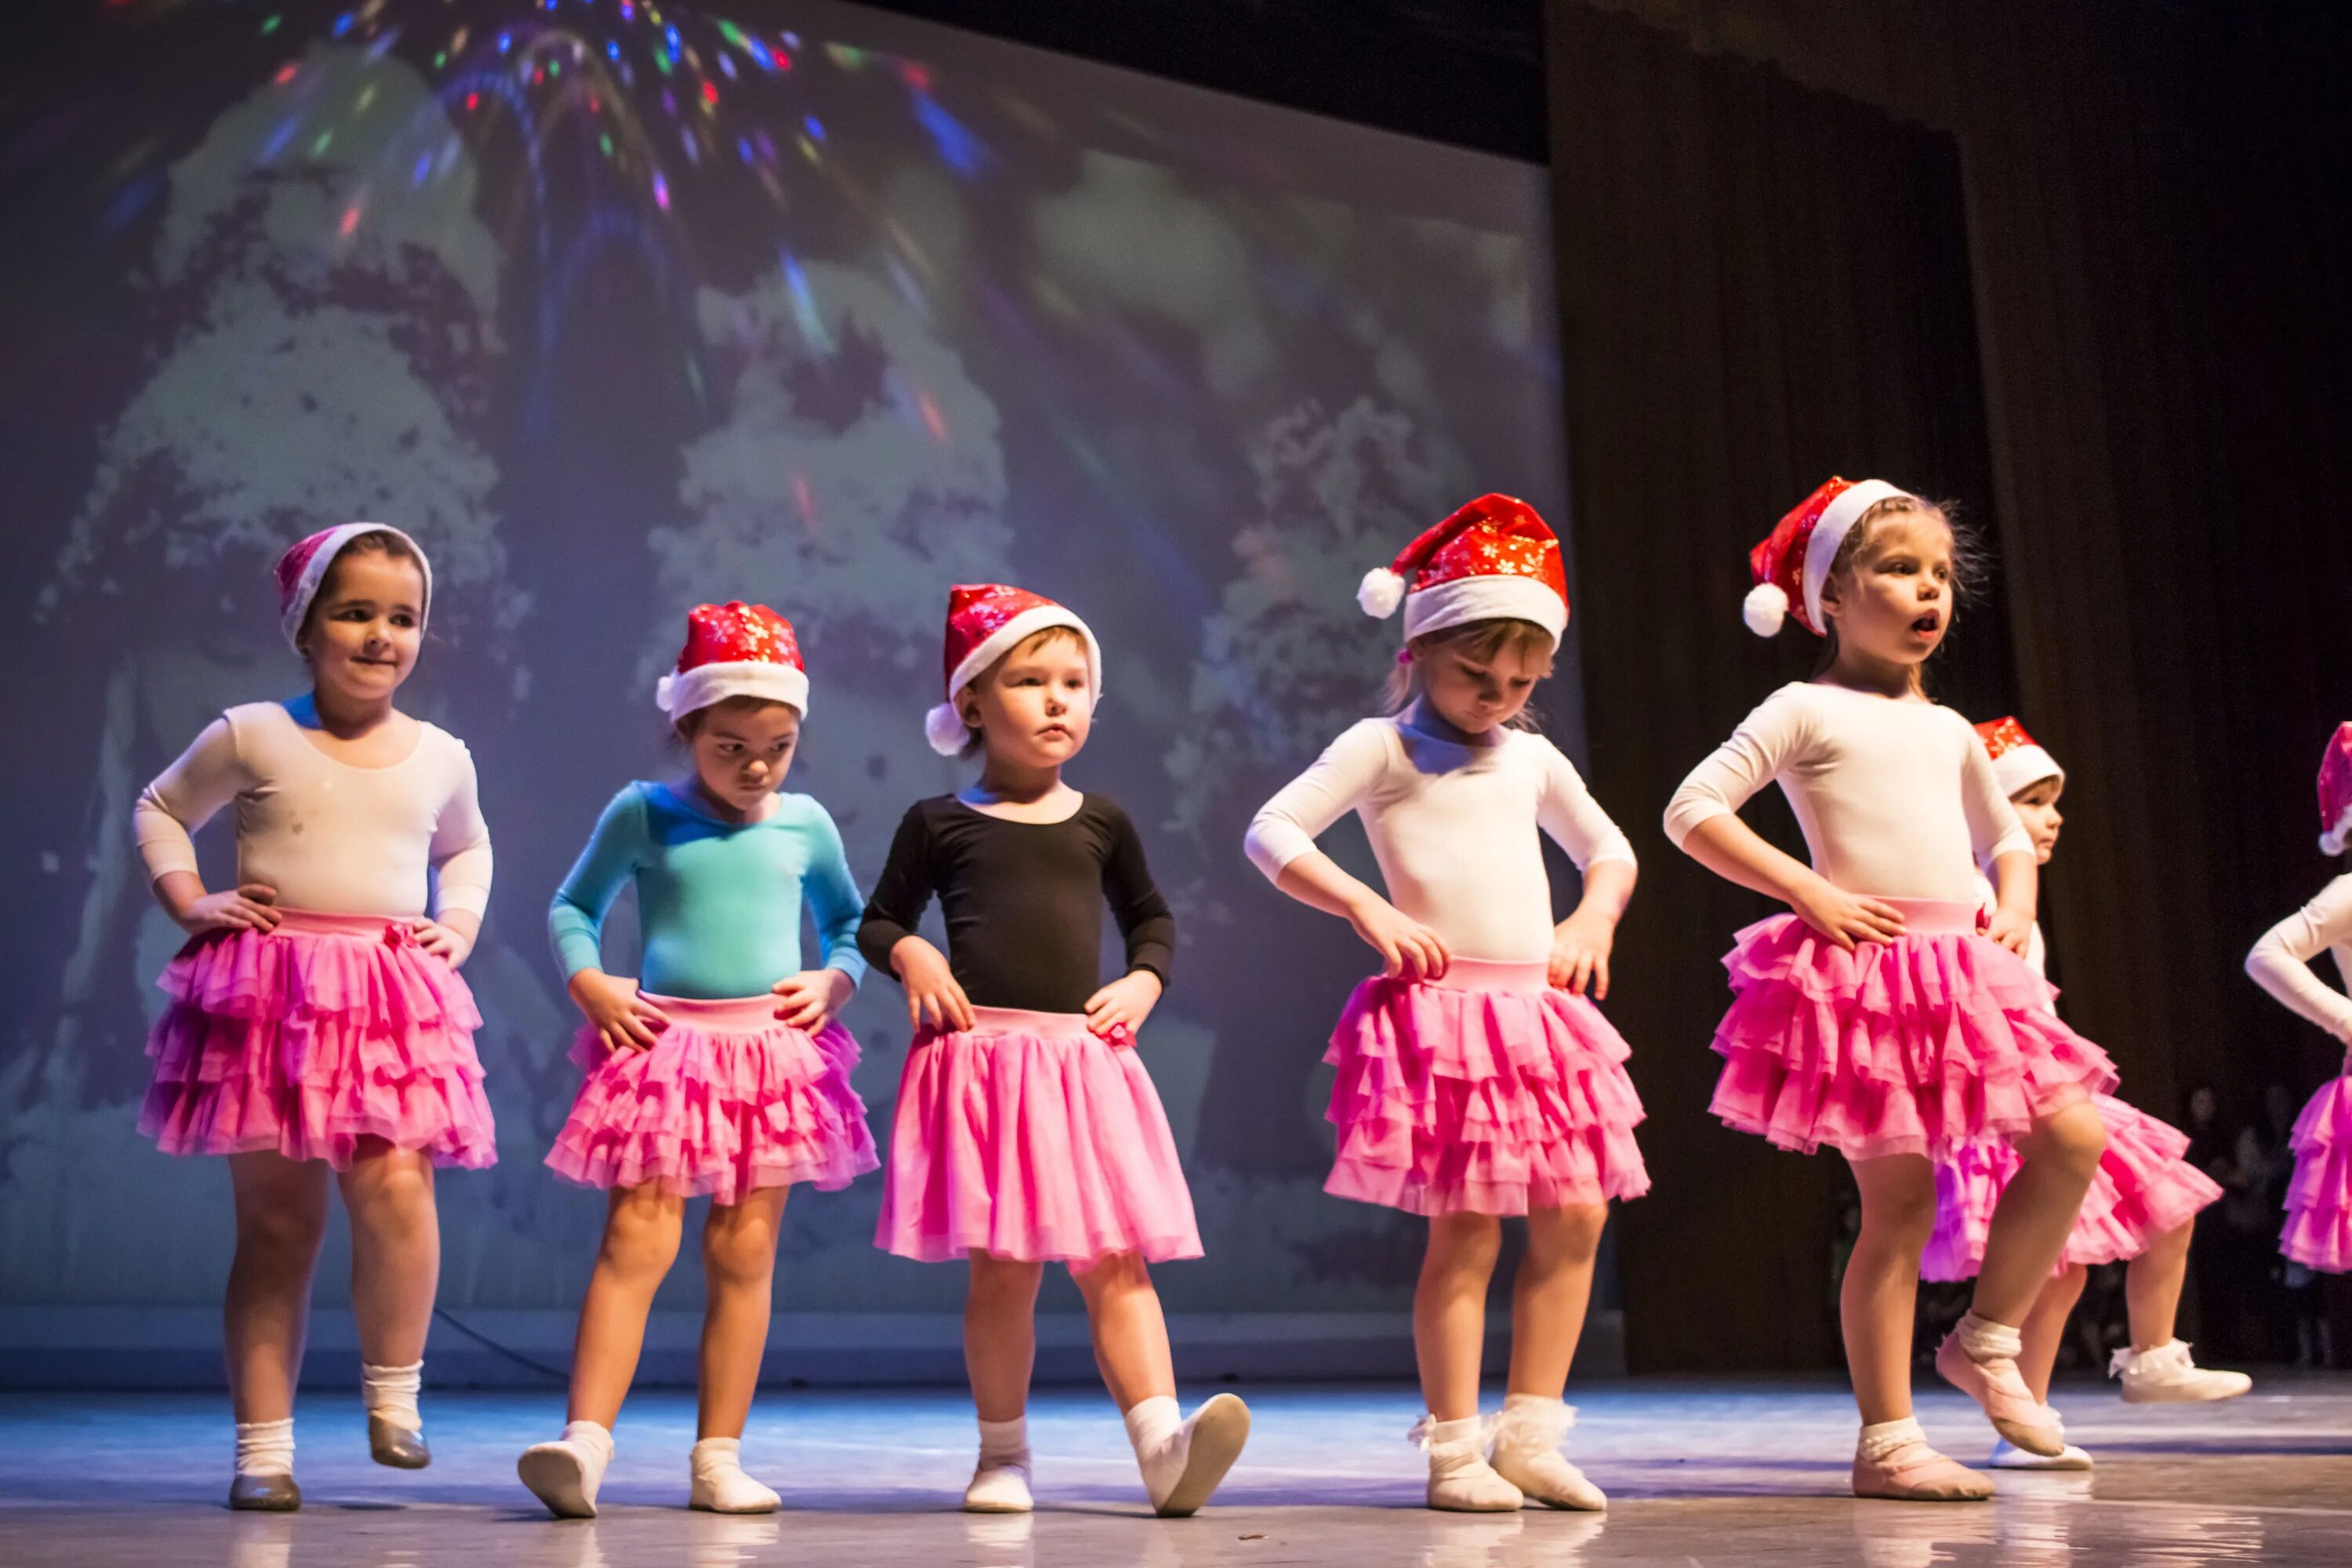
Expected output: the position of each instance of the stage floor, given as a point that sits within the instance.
(1699, 1473)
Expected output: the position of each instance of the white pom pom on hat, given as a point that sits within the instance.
(1381, 593)
(1766, 608)
(944, 728)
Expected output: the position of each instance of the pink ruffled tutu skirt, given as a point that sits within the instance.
(727, 1099)
(1486, 1091)
(305, 1041)
(1027, 1137)
(2318, 1232)
(1925, 1045)
(2143, 1189)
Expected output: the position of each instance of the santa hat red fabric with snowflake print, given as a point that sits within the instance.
(1791, 565)
(302, 571)
(2336, 793)
(2019, 761)
(1493, 560)
(985, 622)
(734, 649)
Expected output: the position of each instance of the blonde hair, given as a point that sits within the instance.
(1967, 563)
(975, 741)
(1476, 640)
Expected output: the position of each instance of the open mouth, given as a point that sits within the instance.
(1929, 625)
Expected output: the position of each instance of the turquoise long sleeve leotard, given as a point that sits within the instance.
(719, 903)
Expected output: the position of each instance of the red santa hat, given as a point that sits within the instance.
(985, 622)
(302, 571)
(1494, 559)
(2336, 793)
(734, 649)
(2017, 760)
(1793, 564)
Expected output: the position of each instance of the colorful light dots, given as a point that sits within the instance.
(271, 26)
(350, 220)
(710, 93)
(814, 126)
(613, 50)
(342, 24)
(473, 101)
(318, 148)
(605, 141)
(661, 191)
(285, 73)
(727, 66)
(932, 421)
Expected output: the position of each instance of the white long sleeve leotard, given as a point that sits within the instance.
(1453, 827)
(2281, 962)
(1896, 798)
(327, 836)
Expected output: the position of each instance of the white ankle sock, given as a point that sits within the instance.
(265, 1448)
(1985, 1339)
(1153, 1423)
(596, 1439)
(719, 1483)
(1531, 1417)
(1883, 1439)
(391, 1391)
(1005, 1442)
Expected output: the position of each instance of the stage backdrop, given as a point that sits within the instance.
(617, 310)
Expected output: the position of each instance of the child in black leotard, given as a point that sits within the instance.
(1027, 1130)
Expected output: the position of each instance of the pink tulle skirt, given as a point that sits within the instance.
(2318, 1232)
(728, 1100)
(1027, 1137)
(305, 1041)
(2143, 1189)
(1921, 1045)
(1486, 1091)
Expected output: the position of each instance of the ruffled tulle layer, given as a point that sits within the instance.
(1485, 1093)
(310, 1038)
(728, 1100)
(2318, 1232)
(1920, 1045)
(1028, 1137)
(2142, 1189)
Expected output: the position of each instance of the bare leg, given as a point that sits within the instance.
(1550, 1297)
(396, 1251)
(1449, 1310)
(739, 1267)
(1880, 1293)
(281, 1218)
(2044, 1329)
(2036, 1210)
(2152, 1284)
(641, 1235)
(1000, 1334)
(1131, 1334)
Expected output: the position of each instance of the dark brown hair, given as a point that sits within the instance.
(375, 541)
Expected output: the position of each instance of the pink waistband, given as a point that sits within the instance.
(1926, 917)
(991, 1021)
(1490, 974)
(735, 1013)
(314, 922)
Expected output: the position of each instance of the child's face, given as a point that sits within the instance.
(742, 754)
(1035, 708)
(2038, 809)
(1475, 694)
(366, 628)
(1896, 603)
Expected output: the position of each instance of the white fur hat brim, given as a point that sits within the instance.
(1484, 598)
(2019, 768)
(691, 691)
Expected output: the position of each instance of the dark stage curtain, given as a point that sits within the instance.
(2069, 269)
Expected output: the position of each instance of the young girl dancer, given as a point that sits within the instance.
(721, 1070)
(1027, 1130)
(2318, 1232)
(2142, 1204)
(1476, 1078)
(317, 1021)
(1876, 1017)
